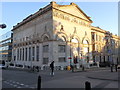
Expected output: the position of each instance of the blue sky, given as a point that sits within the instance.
(103, 14)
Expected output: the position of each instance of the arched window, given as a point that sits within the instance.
(45, 38)
(63, 39)
(86, 47)
(75, 47)
(85, 42)
(74, 40)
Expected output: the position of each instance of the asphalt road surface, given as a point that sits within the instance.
(16, 78)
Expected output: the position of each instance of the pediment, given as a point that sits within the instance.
(73, 9)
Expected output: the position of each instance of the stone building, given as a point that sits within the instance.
(64, 34)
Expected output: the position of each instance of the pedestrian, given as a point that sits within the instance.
(52, 68)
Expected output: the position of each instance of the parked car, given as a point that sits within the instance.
(2, 66)
(118, 66)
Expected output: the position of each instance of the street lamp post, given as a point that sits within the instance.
(70, 51)
(71, 37)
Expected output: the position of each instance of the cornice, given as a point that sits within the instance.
(33, 16)
(98, 29)
(44, 10)
(103, 31)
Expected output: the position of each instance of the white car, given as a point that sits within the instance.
(118, 66)
(2, 66)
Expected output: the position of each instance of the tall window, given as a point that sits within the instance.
(29, 54)
(23, 54)
(45, 48)
(37, 53)
(61, 59)
(26, 54)
(93, 47)
(93, 36)
(61, 48)
(33, 53)
(18, 54)
(45, 61)
(99, 38)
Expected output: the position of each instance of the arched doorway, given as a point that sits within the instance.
(75, 51)
(85, 51)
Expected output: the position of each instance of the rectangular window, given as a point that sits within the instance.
(29, 54)
(23, 54)
(61, 59)
(18, 54)
(93, 47)
(45, 60)
(61, 48)
(26, 54)
(99, 38)
(37, 53)
(45, 48)
(33, 53)
(93, 36)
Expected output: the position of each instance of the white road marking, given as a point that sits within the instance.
(22, 84)
(17, 84)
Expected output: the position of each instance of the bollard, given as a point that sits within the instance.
(39, 83)
(83, 68)
(87, 85)
(111, 68)
(116, 68)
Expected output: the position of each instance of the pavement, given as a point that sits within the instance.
(103, 76)
(99, 78)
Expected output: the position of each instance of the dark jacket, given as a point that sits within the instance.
(52, 65)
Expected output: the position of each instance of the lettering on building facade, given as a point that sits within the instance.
(70, 18)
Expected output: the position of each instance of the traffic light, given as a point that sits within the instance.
(2, 26)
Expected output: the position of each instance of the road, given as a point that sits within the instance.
(14, 78)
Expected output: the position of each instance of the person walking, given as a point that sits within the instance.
(52, 68)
